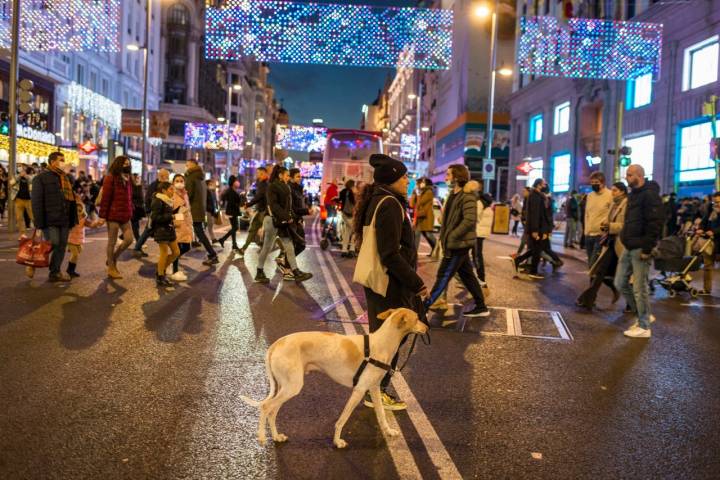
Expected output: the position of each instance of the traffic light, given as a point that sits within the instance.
(4, 124)
(25, 96)
(625, 156)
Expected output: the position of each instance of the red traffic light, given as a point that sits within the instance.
(525, 168)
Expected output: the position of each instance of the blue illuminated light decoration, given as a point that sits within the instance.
(589, 48)
(329, 34)
(213, 136)
(353, 144)
(64, 25)
(408, 146)
(302, 139)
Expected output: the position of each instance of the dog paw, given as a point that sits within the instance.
(391, 432)
(340, 443)
(262, 440)
(280, 437)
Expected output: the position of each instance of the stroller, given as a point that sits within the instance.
(330, 231)
(675, 266)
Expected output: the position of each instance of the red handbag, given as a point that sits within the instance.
(34, 252)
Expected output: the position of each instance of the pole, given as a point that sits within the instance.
(227, 124)
(418, 121)
(491, 98)
(618, 140)
(146, 61)
(714, 129)
(13, 109)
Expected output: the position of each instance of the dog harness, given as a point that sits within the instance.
(370, 360)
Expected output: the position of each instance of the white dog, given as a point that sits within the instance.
(339, 356)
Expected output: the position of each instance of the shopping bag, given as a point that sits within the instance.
(369, 270)
(219, 219)
(34, 252)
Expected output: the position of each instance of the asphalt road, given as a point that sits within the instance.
(103, 379)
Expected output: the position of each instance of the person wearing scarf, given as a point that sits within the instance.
(163, 216)
(54, 212)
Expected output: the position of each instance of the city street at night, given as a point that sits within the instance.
(115, 379)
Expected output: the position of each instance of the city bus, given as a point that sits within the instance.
(347, 156)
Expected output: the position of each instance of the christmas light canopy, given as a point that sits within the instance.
(64, 25)
(330, 34)
(85, 101)
(213, 136)
(589, 48)
(300, 138)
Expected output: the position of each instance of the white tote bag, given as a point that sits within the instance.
(369, 270)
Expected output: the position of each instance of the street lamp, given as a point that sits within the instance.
(482, 11)
(146, 69)
(221, 119)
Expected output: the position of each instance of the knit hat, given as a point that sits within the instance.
(387, 169)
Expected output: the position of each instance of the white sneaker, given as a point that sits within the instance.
(637, 323)
(637, 332)
(178, 276)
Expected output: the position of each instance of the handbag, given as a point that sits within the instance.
(219, 219)
(369, 270)
(34, 252)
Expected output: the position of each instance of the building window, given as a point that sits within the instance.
(694, 162)
(638, 92)
(536, 128)
(700, 64)
(93, 81)
(561, 120)
(561, 170)
(80, 74)
(643, 153)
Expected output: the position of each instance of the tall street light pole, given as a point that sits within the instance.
(491, 98)
(13, 108)
(143, 156)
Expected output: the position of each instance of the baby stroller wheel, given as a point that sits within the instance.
(672, 293)
(324, 243)
(693, 292)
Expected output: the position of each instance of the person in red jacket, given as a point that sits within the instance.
(116, 208)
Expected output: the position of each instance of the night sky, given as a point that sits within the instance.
(335, 94)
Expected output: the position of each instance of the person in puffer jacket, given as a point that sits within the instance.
(116, 208)
(457, 237)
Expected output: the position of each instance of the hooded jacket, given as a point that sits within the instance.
(644, 218)
(458, 225)
(539, 215)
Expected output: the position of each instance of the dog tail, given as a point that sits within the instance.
(271, 379)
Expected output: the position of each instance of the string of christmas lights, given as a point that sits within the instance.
(64, 25)
(589, 48)
(300, 138)
(83, 100)
(39, 149)
(331, 34)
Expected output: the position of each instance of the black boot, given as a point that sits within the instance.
(71, 270)
(301, 276)
(260, 277)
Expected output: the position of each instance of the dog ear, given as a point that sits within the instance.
(403, 318)
(386, 314)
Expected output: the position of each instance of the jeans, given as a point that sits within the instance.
(22, 208)
(456, 261)
(199, 229)
(210, 221)
(570, 232)
(135, 228)
(592, 247)
(478, 258)
(636, 295)
(232, 232)
(270, 234)
(347, 232)
(535, 249)
(429, 236)
(183, 248)
(58, 237)
(143, 237)
(255, 224)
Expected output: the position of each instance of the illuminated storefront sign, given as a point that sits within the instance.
(38, 135)
(40, 151)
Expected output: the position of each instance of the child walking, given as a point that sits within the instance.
(162, 216)
(76, 239)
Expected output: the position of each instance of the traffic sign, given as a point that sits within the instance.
(488, 169)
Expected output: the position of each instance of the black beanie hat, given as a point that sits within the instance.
(387, 169)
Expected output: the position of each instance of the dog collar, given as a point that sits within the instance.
(370, 360)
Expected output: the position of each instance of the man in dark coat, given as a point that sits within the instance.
(457, 237)
(644, 218)
(163, 176)
(710, 231)
(54, 211)
(259, 201)
(197, 194)
(539, 225)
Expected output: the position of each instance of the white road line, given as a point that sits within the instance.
(699, 305)
(516, 321)
(436, 450)
(510, 321)
(397, 446)
(561, 326)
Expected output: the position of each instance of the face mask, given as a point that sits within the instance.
(545, 189)
(596, 188)
(127, 169)
(179, 185)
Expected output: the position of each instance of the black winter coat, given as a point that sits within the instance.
(300, 208)
(539, 215)
(49, 207)
(161, 216)
(259, 200)
(138, 202)
(459, 221)
(644, 218)
(212, 204)
(150, 195)
(279, 201)
(711, 222)
(197, 193)
(232, 201)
